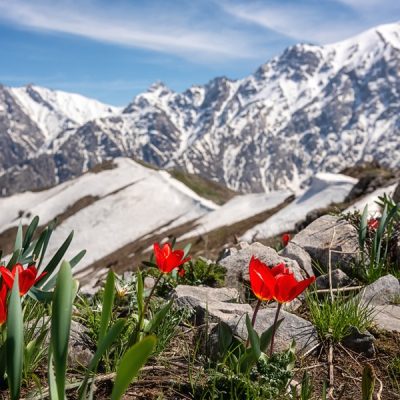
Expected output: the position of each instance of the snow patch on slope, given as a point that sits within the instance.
(325, 189)
(237, 209)
(371, 199)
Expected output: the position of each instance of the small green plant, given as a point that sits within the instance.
(377, 239)
(394, 371)
(334, 319)
(33, 303)
(194, 273)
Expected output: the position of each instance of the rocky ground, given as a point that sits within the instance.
(328, 248)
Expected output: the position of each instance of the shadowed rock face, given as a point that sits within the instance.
(19, 135)
(311, 109)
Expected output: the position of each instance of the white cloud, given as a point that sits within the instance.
(304, 21)
(126, 26)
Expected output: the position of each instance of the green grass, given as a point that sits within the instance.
(334, 319)
(203, 187)
(394, 371)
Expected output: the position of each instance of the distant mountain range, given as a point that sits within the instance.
(312, 109)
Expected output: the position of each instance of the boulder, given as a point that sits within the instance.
(292, 328)
(80, 346)
(210, 304)
(388, 317)
(318, 239)
(381, 292)
(360, 342)
(339, 279)
(384, 296)
(237, 264)
(396, 194)
(297, 253)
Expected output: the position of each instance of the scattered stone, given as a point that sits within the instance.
(316, 240)
(295, 252)
(339, 279)
(210, 304)
(362, 343)
(79, 351)
(292, 328)
(396, 194)
(388, 317)
(149, 282)
(237, 264)
(381, 292)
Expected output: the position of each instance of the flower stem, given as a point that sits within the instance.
(253, 320)
(278, 309)
(147, 302)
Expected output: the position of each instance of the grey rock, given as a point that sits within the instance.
(381, 292)
(360, 342)
(297, 253)
(396, 194)
(292, 328)
(210, 304)
(316, 240)
(237, 264)
(388, 317)
(339, 279)
(79, 347)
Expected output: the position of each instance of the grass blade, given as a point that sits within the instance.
(61, 323)
(102, 347)
(266, 337)
(18, 238)
(52, 265)
(108, 302)
(254, 339)
(130, 365)
(157, 319)
(15, 342)
(30, 232)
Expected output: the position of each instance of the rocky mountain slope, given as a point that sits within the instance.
(311, 109)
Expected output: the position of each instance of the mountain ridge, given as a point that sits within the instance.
(312, 109)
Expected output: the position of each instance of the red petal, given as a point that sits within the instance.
(26, 281)
(284, 286)
(261, 279)
(8, 277)
(40, 277)
(280, 269)
(17, 268)
(3, 311)
(174, 260)
(301, 287)
(166, 250)
(160, 259)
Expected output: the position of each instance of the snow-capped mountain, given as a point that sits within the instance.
(54, 111)
(311, 109)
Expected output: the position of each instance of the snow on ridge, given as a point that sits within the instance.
(325, 189)
(371, 199)
(237, 209)
(127, 215)
(208, 204)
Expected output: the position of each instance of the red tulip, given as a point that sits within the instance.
(373, 223)
(3, 304)
(27, 277)
(285, 239)
(276, 283)
(168, 259)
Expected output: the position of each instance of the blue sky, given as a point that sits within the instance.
(112, 50)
